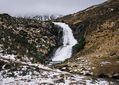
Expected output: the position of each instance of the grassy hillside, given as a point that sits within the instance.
(99, 26)
(28, 39)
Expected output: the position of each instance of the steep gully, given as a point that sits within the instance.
(65, 51)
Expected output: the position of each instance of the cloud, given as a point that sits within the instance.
(37, 7)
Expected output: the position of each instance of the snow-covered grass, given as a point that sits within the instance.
(29, 75)
(11, 57)
(26, 73)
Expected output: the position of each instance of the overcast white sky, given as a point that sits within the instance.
(38, 7)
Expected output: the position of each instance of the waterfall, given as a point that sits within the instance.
(65, 51)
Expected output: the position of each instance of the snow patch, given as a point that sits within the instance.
(8, 56)
(105, 62)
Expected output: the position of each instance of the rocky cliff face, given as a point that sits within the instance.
(97, 30)
(28, 40)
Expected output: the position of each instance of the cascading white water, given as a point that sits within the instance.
(65, 51)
